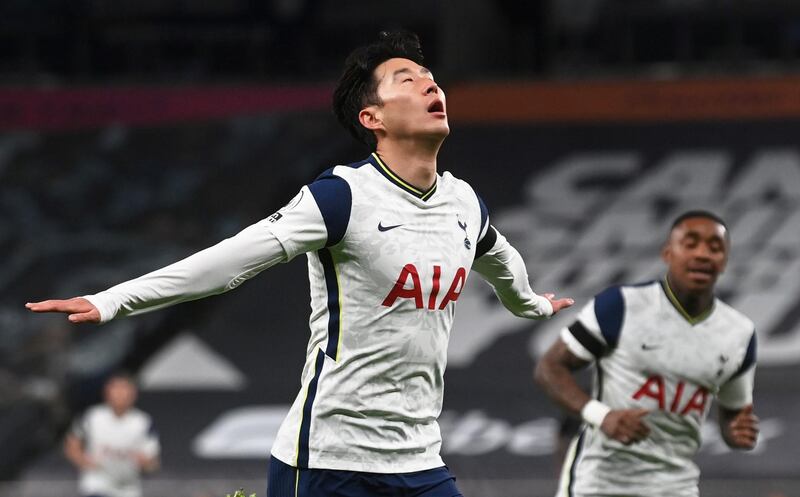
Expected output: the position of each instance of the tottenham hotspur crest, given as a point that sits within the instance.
(463, 226)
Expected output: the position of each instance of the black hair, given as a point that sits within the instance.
(357, 86)
(121, 374)
(701, 213)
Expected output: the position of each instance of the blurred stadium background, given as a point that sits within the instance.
(133, 133)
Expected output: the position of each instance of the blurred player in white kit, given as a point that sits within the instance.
(663, 351)
(113, 443)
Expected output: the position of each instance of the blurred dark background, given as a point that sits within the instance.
(133, 133)
(157, 41)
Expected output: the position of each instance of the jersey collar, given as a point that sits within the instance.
(382, 168)
(679, 307)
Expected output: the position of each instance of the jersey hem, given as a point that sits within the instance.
(370, 467)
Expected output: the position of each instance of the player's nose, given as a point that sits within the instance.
(432, 88)
(702, 252)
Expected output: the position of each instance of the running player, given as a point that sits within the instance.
(390, 244)
(663, 350)
(113, 443)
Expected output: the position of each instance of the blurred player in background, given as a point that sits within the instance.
(390, 243)
(663, 350)
(113, 443)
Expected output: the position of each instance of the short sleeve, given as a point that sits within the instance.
(487, 235)
(738, 391)
(484, 217)
(596, 331)
(151, 446)
(78, 429)
(583, 337)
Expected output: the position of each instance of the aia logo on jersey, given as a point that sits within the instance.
(409, 286)
(655, 388)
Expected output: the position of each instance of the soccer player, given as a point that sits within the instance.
(390, 243)
(663, 350)
(113, 443)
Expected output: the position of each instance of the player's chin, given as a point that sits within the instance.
(701, 282)
(435, 135)
(441, 129)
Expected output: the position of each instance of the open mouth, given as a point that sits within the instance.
(436, 106)
(701, 272)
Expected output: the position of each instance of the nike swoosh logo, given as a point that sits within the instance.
(646, 346)
(387, 228)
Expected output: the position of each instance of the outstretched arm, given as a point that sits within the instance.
(503, 267)
(298, 227)
(554, 373)
(208, 272)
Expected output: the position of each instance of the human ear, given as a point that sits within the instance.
(370, 117)
(665, 253)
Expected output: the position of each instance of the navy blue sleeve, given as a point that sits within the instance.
(334, 199)
(609, 308)
(749, 356)
(486, 243)
(484, 215)
(151, 430)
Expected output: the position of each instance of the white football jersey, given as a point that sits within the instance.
(386, 264)
(112, 442)
(650, 354)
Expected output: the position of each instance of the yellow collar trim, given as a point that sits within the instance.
(417, 191)
(679, 307)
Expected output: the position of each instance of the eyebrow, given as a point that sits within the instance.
(422, 70)
(694, 235)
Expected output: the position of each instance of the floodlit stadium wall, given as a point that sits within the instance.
(586, 197)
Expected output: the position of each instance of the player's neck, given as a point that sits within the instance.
(694, 303)
(414, 164)
(119, 412)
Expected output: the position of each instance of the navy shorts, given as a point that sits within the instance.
(288, 481)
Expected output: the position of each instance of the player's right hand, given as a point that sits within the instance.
(626, 425)
(743, 429)
(558, 304)
(79, 309)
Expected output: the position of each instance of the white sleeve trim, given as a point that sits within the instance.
(104, 304)
(575, 346)
(484, 230)
(738, 392)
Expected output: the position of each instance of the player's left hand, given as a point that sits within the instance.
(743, 429)
(558, 304)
